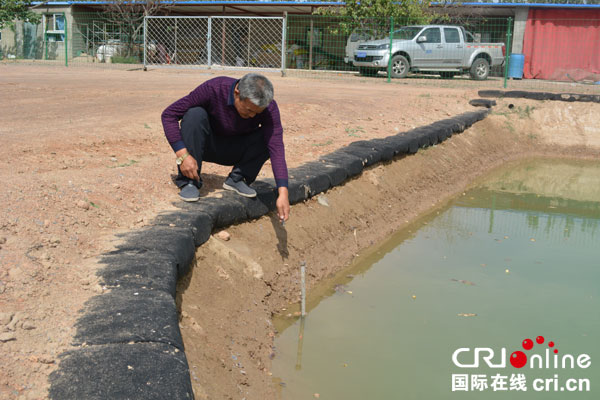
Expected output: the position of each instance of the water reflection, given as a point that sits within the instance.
(500, 264)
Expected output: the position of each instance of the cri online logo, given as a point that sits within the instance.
(519, 359)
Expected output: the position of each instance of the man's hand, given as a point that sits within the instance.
(189, 166)
(283, 204)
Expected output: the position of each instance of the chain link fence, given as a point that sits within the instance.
(532, 52)
(215, 42)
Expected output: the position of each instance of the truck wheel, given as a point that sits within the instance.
(365, 71)
(400, 66)
(480, 69)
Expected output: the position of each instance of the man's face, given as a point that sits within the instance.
(245, 107)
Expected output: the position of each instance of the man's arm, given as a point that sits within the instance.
(199, 97)
(274, 139)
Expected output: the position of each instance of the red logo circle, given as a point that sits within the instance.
(518, 359)
(528, 344)
(539, 339)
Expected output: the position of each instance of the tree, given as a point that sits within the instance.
(12, 10)
(375, 14)
(129, 15)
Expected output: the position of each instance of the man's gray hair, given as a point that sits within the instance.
(256, 88)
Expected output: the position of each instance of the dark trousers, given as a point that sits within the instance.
(247, 153)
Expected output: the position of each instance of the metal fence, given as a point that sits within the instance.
(214, 42)
(529, 53)
(77, 38)
(364, 46)
(561, 51)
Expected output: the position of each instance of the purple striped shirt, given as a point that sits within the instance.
(216, 97)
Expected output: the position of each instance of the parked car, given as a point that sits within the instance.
(357, 37)
(445, 49)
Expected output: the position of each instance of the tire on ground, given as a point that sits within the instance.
(385, 149)
(363, 150)
(399, 143)
(487, 103)
(199, 223)
(312, 177)
(350, 163)
(335, 173)
(223, 211)
(491, 93)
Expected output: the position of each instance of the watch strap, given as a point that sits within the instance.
(180, 159)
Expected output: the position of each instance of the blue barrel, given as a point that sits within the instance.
(515, 66)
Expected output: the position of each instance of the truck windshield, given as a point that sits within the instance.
(407, 33)
(362, 35)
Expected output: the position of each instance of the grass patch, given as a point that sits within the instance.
(522, 112)
(355, 132)
(127, 164)
(124, 60)
(327, 143)
(510, 126)
(525, 112)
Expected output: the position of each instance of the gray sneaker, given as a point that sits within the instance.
(189, 193)
(240, 187)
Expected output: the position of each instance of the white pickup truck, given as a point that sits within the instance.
(444, 49)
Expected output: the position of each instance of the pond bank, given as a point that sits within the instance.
(234, 288)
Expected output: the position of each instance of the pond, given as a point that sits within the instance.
(511, 267)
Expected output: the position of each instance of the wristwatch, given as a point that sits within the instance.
(179, 160)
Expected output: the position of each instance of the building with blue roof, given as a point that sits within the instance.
(77, 29)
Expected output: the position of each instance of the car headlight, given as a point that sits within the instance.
(383, 46)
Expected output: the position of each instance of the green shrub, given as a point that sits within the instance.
(124, 60)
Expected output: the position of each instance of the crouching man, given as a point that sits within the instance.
(228, 122)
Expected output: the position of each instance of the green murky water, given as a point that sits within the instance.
(515, 257)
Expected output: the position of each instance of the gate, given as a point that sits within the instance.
(215, 42)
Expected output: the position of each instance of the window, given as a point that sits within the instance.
(433, 35)
(55, 23)
(470, 38)
(362, 35)
(317, 37)
(55, 27)
(407, 33)
(451, 35)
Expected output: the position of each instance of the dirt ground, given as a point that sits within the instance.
(83, 157)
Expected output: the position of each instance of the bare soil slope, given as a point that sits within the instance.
(227, 307)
